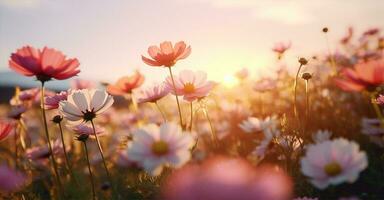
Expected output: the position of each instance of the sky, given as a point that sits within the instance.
(109, 37)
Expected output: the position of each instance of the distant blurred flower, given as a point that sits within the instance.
(333, 162)
(12, 180)
(348, 198)
(40, 155)
(321, 136)
(52, 102)
(264, 85)
(373, 129)
(79, 84)
(153, 94)
(191, 85)
(6, 128)
(44, 64)
(281, 48)
(251, 125)
(154, 147)
(17, 112)
(166, 55)
(347, 38)
(25, 97)
(242, 74)
(123, 160)
(216, 179)
(367, 76)
(85, 129)
(372, 31)
(126, 84)
(85, 105)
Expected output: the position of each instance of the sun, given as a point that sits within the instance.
(230, 81)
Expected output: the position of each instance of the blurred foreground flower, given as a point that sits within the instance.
(11, 180)
(126, 84)
(191, 85)
(333, 162)
(85, 105)
(364, 76)
(45, 64)
(226, 179)
(155, 147)
(167, 55)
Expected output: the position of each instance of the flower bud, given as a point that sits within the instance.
(57, 119)
(306, 76)
(303, 61)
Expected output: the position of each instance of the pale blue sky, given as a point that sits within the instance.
(109, 36)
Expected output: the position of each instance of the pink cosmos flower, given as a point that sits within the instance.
(154, 147)
(45, 64)
(12, 180)
(166, 55)
(126, 84)
(153, 93)
(281, 48)
(306, 198)
(371, 31)
(52, 102)
(40, 155)
(333, 162)
(79, 84)
(363, 76)
(6, 128)
(191, 85)
(25, 97)
(82, 129)
(226, 179)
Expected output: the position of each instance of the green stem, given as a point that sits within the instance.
(69, 166)
(177, 98)
(295, 92)
(101, 151)
(214, 136)
(90, 171)
(161, 111)
(48, 138)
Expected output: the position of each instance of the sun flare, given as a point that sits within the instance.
(230, 81)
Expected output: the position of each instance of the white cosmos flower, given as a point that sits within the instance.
(86, 104)
(154, 147)
(333, 162)
(321, 136)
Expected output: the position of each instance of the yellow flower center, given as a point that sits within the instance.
(332, 169)
(160, 148)
(189, 88)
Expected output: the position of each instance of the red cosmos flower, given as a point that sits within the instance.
(44, 64)
(6, 129)
(368, 75)
(167, 55)
(126, 84)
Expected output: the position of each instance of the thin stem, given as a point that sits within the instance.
(190, 126)
(177, 98)
(101, 151)
(214, 136)
(90, 171)
(333, 63)
(16, 149)
(48, 138)
(295, 92)
(69, 166)
(306, 105)
(161, 112)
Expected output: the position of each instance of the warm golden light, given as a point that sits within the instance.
(230, 81)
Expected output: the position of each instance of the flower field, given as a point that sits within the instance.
(313, 133)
